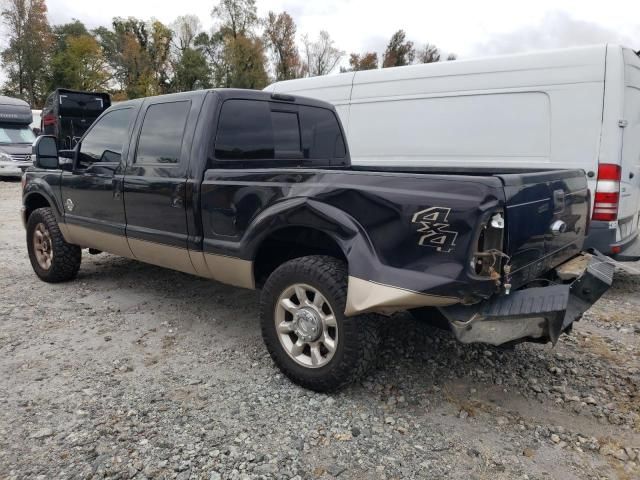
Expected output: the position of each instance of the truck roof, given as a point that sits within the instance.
(238, 93)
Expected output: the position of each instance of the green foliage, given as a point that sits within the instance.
(135, 58)
(26, 58)
(366, 61)
(238, 17)
(191, 71)
(80, 64)
(280, 37)
(399, 51)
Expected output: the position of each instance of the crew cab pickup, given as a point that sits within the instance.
(256, 190)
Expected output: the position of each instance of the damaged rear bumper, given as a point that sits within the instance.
(535, 314)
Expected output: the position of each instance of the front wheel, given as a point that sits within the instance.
(304, 327)
(52, 258)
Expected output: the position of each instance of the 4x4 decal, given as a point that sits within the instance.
(433, 225)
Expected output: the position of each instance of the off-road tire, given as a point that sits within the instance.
(358, 335)
(66, 257)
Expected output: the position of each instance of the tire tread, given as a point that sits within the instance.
(66, 257)
(360, 333)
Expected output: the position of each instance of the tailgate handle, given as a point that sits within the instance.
(558, 201)
(558, 227)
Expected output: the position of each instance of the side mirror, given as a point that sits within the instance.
(36, 131)
(45, 152)
(65, 159)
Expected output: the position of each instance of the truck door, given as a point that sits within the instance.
(92, 192)
(155, 183)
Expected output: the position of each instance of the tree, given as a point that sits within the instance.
(212, 48)
(191, 71)
(80, 65)
(280, 37)
(321, 56)
(71, 29)
(27, 55)
(237, 53)
(244, 63)
(451, 56)
(238, 17)
(428, 54)
(190, 68)
(139, 55)
(366, 61)
(399, 51)
(185, 28)
(159, 49)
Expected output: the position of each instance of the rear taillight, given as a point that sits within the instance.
(49, 120)
(607, 197)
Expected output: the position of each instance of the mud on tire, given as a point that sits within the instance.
(64, 261)
(354, 349)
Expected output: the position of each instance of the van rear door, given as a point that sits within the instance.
(628, 213)
(545, 219)
(76, 113)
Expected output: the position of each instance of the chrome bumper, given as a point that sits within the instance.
(532, 314)
(13, 169)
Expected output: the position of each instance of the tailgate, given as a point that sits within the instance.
(545, 219)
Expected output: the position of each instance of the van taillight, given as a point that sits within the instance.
(607, 197)
(49, 120)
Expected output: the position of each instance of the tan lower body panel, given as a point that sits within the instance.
(167, 256)
(230, 270)
(366, 296)
(87, 237)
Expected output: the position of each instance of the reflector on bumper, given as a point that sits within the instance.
(541, 313)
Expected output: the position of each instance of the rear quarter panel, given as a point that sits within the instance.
(375, 218)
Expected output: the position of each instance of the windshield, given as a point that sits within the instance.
(16, 134)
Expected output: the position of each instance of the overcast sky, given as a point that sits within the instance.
(469, 28)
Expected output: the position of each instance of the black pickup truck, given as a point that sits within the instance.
(257, 191)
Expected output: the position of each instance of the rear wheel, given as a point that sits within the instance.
(52, 258)
(304, 327)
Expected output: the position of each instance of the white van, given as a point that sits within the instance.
(569, 108)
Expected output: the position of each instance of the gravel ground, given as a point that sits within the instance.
(135, 371)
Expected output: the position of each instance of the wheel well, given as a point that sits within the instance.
(34, 202)
(289, 243)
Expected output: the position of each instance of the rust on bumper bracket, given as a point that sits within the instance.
(536, 314)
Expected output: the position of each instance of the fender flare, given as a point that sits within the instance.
(343, 229)
(37, 187)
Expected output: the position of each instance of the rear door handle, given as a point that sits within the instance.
(177, 199)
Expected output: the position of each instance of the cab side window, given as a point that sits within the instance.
(244, 131)
(162, 132)
(105, 140)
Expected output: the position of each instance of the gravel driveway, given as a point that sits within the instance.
(135, 371)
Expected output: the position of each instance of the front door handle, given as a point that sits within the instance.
(117, 188)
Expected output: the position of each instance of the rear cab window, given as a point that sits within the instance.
(263, 131)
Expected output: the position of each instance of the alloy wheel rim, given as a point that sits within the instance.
(306, 325)
(42, 246)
